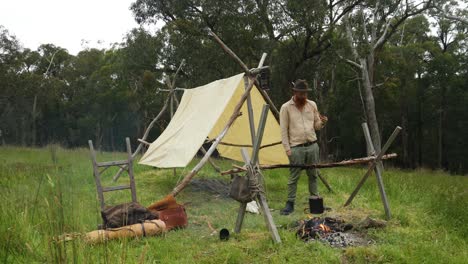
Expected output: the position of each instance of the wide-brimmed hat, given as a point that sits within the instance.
(301, 86)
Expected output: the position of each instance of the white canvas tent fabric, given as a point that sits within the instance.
(203, 112)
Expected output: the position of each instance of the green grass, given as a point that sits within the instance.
(50, 191)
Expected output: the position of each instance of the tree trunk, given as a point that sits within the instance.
(420, 119)
(322, 135)
(34, 116)
(112, 139)
(370, 106)
(404, 122)
(97, 135)
(23, 131)
(442, 157)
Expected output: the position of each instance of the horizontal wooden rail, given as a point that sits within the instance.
(314, 166)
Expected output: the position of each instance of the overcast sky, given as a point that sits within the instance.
(66, 23)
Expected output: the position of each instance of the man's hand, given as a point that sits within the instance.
(323, 118)
(288, 153)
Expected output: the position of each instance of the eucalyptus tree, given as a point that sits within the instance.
(368, 29)
(454, 10)
(10, 65)
(294, 33)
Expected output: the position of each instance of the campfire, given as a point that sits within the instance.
(328, 230)
(316, 228)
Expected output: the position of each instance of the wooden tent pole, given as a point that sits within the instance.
(267, 98)
(229, 51)
(210, 160)
(210, 151)
(249, 101)
(250, 111)
(246, 70)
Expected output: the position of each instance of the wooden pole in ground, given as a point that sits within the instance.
(243, 206)
(261, 195)
(325, 182)
(254, 175)
(130, 170)
(378, 170)
(373, 164)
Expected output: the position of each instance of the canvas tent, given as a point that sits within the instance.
(202, 114)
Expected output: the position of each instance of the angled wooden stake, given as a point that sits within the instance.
(325, 182)
(378, 170)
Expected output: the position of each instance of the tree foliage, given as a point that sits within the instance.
(415, 53)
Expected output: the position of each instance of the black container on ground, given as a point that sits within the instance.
(316, 204)
(224, 234)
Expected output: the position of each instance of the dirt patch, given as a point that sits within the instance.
(213, 186)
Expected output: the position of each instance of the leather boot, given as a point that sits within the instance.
(289, 208)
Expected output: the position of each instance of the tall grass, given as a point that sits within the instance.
(49, 192)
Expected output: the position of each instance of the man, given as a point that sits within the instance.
(299, 119)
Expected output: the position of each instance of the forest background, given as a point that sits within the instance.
(385, 62)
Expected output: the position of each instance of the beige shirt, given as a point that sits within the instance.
(298, 127)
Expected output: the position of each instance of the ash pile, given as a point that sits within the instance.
(332, 231)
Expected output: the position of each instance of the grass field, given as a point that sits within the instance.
(50, 191)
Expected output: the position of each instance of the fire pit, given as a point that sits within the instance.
(332, 231)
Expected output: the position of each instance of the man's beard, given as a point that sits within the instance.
(300, 102)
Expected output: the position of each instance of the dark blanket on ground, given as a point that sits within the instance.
(126, 214)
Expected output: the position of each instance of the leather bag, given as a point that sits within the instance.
(240, 189)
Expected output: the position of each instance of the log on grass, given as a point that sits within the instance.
(147, 228)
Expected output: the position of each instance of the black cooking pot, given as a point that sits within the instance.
(224, 234)
(316, 204)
